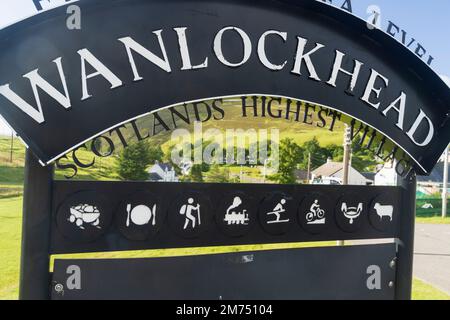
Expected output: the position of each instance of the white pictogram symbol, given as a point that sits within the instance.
(235, 216)
(141, 215)
(316, 215)
(187, 210)
(384, 211)
(277, 211)
(351, 213)
(85, 214)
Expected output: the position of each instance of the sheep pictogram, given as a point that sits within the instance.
(384, 211)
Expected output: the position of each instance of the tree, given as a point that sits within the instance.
(335, 152)
(155, 153)
(319, 155)
(196, 174)
(363, 159)
(134, 160)
(218, 174)
(290, 156)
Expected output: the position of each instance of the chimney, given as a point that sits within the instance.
(329, 160)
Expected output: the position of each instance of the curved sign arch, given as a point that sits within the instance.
(61, 87)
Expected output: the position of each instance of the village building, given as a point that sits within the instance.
(162, 172)
(332, 173)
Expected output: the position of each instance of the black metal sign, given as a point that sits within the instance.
(357, 273)
(59, 87)
(114, 216)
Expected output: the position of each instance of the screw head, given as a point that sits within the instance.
(59, 288)
(392, 264)
(391, 284)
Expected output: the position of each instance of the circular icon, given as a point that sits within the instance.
(190, 215)
(59, 288)
(349, 212)
(277, 213)
(140, 216)
(84, 216)
(382, 214)
(236, 214)
(314, 213)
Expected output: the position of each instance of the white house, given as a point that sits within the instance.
(162, 172)
(386, 176)
(332, 173)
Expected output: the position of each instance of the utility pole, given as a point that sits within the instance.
(346, 161)
(444, 185)
(347, 154)
(309, 167)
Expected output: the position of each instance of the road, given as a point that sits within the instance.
(432, 255)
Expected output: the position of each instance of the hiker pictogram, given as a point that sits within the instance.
(187, 210)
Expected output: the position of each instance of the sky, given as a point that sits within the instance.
(425, 21)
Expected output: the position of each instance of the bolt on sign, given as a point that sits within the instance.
(60, 88)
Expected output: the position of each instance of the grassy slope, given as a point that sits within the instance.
(11, 173)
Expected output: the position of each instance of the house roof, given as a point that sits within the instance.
(328, 169)
(163, 166)
(369, 175)
(153, 176)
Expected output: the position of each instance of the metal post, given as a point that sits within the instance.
(36, 223)
(347, 151)
(405, 248)
(309, 167)
(346, 162)
(444, 185)
(12, 146)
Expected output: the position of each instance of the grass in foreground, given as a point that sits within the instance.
(10, 238)
(433, 220)
(424, 291)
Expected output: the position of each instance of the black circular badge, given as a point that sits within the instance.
(84, 216)
(383, 212)
(236, 214)
(350, 211)
(277, 213)
(315, 213)
(190, 215)
(140, 216)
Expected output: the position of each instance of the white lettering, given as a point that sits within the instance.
(87, 56)
(422, 116)
(370, 88)
(36, 82)
(184, 51)
(130, 44)
(338, 68)
(301, 56)
(218, 47)
(262, 50)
